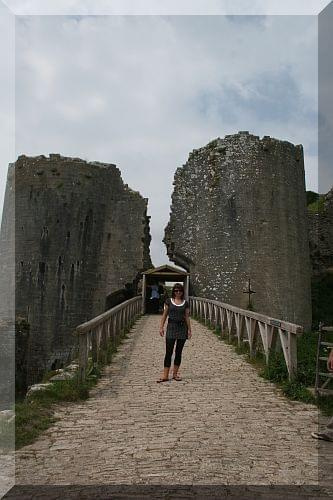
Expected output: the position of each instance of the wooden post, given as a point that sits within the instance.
(115, 327)
(292, 341)
(94, 347)
(250, 327)
(187, 287)
(222, 316)
(126, 317)
(289, 347)
(239, 319)
(210, 308)
(143, 294)
(112, 328)
(264, 338)
(104, 341)
(130, 313)
(229, 323)
(83, 356)
(121, 320)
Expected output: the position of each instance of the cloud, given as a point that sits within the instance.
(143, 91)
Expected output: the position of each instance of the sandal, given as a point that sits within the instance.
(162, 380)
(320, 435)
(177, 377)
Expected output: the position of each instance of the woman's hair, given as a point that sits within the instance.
(177, 286)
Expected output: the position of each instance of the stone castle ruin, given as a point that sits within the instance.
(320, 216)
(81, 239)
(239, 212)
(81, 235)
(321, 235)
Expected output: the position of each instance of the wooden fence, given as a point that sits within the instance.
(94, 335)
(247, 326)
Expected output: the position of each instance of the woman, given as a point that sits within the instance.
(178, 330)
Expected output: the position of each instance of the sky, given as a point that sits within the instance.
(144, 91)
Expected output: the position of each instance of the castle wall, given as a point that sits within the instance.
(321, 253)
(80, 234)
(321, 236)
(239, 211)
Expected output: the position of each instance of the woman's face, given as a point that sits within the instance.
(178, 293)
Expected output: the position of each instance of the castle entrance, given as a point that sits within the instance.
(155, 287)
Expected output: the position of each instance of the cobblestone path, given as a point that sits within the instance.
(221, 424)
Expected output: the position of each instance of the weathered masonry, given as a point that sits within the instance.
(239, 212)
(320, 216)
(80, 236)
(321, 235)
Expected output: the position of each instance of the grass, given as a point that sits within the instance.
(318, 205)
(35, 414)
(276, 370)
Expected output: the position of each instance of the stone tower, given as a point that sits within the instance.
(80, 235)
(238, 212)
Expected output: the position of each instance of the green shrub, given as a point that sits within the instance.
(297, 391)
(243, 348)
(306, 358)
(311, 197)
(322, 299)
(318, 205)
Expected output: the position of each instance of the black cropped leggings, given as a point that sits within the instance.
(169, 344)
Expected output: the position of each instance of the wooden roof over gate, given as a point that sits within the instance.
(166, 273)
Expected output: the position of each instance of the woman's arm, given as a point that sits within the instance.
(187, 319)
(164, 316)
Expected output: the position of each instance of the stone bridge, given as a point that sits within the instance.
(221, 425)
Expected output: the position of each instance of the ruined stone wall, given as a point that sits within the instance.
(239, 211)
(80, 235)
(321, 236)
(320, 217)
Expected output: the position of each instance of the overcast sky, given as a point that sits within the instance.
(143, 91)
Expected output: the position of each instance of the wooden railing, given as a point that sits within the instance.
(246, 326)
(94, 335)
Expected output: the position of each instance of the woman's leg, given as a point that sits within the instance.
(169, 345)
(178, 357)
